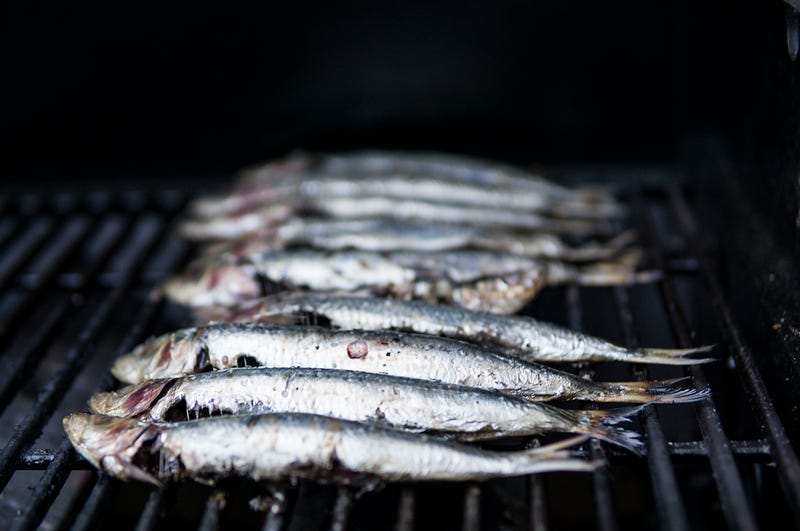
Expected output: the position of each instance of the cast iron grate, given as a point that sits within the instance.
(76, 273)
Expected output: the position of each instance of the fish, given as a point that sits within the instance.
(413, 405)
(519, 336)
(351, 173)
(480, 280)
(225, 346)
(292, 447)
(380, 234)
(265, 218)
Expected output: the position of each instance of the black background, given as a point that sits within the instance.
(158, 90)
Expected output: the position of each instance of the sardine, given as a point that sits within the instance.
(389, 235)
(224, 346)
(413, 405)
(519, 336)
(480, 280)
(294, 446)
(265, 219)
(281, 179)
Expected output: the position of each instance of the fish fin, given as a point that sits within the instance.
(602, 251)
(605, 425)
(671, 356)
(620, 271)
(674, 391)
(556, 449)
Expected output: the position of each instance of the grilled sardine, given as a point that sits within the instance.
(414, 405)
(223, 346)
(294, 446)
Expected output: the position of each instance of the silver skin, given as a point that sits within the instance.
(412, 405)
(280, 179)
(479, 280)
(292, 447)
(520, 336)
(224, 346)
(382, 234)
(265, 217)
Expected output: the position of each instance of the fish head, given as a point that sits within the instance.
(130, 401)
(175, 354)
(112, 444)
(215, 284)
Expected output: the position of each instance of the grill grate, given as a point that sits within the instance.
(76, 272)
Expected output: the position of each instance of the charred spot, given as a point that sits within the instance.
(247, 361)
(357, 349)
(268, 286)
(177, 412)
(203, 360)
(314, 318)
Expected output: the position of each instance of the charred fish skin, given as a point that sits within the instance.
(404, 403)
(224, 346)
(294, 446)
(519, 336)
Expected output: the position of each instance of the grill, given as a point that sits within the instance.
(77, 273)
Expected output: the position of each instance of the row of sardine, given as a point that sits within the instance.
(388, 351)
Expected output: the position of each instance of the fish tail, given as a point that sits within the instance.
(607, 426)
(554, 457)
(602, 251)
(675, 391)
(671, 356)
(620, 271)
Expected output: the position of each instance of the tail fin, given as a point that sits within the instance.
(670, 356)
(554, 458)
(617, 272)
(605, 425)
(675, 391)
(601, 251)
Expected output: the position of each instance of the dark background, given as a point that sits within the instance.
(158, 90)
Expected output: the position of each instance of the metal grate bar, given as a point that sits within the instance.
(47, 489)
(405, 510)
(538, 503)
(74, 360)
(736, 509)
(341, 509)
(153, 510)
(59, 467)
(211, 514)
(64, 246)
(97, 502)
(600, 477)
(781, 447)
(276, 511)
(23, 249)
(31, 354)
(472, 508)
(671, 511)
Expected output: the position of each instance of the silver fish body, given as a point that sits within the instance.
(496, 282)
(519, 336)
(293, 446)
(415, 405)
(224, 346)
(434, 177)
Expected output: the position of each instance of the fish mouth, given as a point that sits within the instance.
(112, 444)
